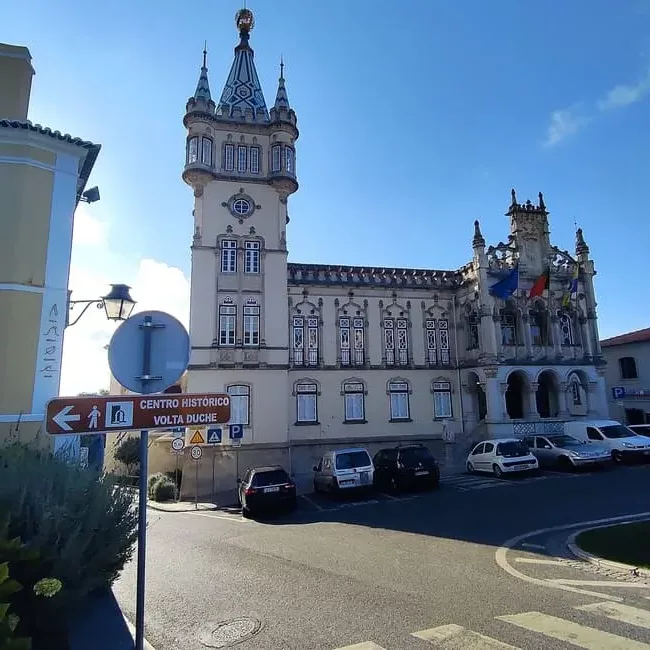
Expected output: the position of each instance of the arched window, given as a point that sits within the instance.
(192, 150)
(575, 390)
(509, 325)
(206, 151)
(566, 329)
(539, 331)
(351, 339)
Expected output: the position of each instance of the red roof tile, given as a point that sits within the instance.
(638, 336)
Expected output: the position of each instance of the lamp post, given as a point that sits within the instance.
(117, 304)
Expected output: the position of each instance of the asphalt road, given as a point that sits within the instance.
(335, 575)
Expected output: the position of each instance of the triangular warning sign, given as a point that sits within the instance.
(197, 438)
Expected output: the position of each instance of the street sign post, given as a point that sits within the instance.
(81, 415)
(196, 452)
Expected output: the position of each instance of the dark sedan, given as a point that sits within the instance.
(266, 489)
(406, 466)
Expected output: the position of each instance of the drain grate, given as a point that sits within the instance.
(228, 633)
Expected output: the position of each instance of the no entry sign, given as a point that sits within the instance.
(79, 415)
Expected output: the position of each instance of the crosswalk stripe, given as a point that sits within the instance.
(366, 645)
(620, 612)
(456, 636)
(573, 633)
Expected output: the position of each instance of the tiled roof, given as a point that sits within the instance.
(638, 336)
(91, 147)
(328, 275)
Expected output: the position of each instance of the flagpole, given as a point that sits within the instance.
(548, 306)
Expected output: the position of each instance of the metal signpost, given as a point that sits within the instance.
(196, 452)
(147, 354)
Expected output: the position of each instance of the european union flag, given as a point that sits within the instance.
(505, 287)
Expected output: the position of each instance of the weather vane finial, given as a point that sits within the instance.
(205, 53)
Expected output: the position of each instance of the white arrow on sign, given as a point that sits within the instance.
(62, 418)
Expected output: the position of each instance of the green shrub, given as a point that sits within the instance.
(176, 476)
(164, 489)
(152, 480)
(83, 524)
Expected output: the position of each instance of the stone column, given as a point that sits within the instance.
(495, 399)
(528, 342)
(563, 407)
(555, 329)
(586, 338)
(532, 402)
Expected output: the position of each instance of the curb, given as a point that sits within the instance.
(146, 644)
(180, 506)
(601, 562)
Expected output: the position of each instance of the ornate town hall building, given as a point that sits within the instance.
(316, 356)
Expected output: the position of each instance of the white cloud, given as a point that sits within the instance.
(564, 122)
(155, 285)
(624, 95)
(88, 229)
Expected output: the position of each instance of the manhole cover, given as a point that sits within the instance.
(229, 633)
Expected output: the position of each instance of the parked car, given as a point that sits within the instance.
(622, 442)
(265, 489)
(641, 429)
(566, 452)
(501, 456)
(344, 469)
(406, 466)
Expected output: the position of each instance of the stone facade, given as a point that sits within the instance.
(317, 356)
(628, 376)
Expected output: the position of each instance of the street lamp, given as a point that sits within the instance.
(117, 304)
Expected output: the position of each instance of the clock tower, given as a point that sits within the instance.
(241, 165)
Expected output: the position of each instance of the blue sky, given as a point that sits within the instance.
(416, 118)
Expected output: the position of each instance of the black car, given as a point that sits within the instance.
(406, 466)
(265, 489)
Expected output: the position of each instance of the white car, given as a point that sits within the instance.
(501, 456)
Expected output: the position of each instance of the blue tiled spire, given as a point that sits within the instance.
(242, 98)
(203, 87)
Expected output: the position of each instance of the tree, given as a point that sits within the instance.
(127, 452)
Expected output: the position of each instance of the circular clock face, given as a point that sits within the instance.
(241, 207)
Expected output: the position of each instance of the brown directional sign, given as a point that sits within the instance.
(79, 415)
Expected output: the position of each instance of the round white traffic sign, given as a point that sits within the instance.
(178, 444)
(196, 452)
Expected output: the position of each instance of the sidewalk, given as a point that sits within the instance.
(181, 506)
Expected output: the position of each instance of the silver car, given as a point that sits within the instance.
(566, 452)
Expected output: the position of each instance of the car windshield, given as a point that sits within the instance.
(412, 455)
(512, 449)
(271, 477)
(617, 431)
(352, 460)
(565, 441)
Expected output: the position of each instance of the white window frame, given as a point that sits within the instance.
(193, 150)
(229, 157)
(289, 160)
(440, 389)
(389, 341)
(354, 394)
(276, 158)
(240, 403)
(242, 158)
(255, 160)
(206, 151)
(304, 331)
(251, 326)
(306, 402)
(228, 256)
(252, 257)
(227, 325)
(352, 340)
(398, 395)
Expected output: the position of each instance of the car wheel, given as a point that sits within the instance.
(245, 513)
(498, 472)
(565, 464)
(617, 457)
(470, 467)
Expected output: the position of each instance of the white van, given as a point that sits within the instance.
(621, 441)
(343, 469)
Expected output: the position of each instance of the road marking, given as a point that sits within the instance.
(618, 612)
(533, 560)
(312, 502)
(537, 546)
(501, 553)
(600, 583)
(573, 633)
(366, 645)
(390, 496)
(456, 636)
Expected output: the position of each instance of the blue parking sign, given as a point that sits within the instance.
(236, 431)
(618, 392)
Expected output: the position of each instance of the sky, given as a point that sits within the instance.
(415, 119)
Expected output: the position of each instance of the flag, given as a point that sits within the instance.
(505, 287)
(572, 289)
(541, 284)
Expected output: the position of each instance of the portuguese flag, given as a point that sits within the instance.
(540, 285)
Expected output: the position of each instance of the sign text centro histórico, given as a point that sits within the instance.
(78, 415)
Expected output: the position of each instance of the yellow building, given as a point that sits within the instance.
(43, 174)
